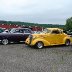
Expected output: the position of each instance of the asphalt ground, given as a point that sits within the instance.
(22, 58)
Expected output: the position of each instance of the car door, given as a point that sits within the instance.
(60, 37)
(53, 37)
(22, 34)
(15, 36)
(57, 37)
(49, 36)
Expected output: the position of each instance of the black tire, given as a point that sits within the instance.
(5, 41)
(67, 42)
(39, 45)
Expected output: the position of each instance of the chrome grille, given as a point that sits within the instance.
(30, 37)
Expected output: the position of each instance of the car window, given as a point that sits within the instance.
(55, 32)
(46, 31)
(12, 30)
(17, 30)
(61, 31)
(26, 31)
(21, 31)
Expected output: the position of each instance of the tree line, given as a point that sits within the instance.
(67, 26)
(31, 24)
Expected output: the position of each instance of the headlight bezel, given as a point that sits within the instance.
(34, 37)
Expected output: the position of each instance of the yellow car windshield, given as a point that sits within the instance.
(46, 31)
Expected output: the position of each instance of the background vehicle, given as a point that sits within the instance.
(15, 35)
(1, 30)
(50, 36)
(6, 31)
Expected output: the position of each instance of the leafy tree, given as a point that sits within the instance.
(68, 25)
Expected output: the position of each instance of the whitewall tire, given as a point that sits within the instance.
(39, 45)
(67, 43)
(5, 41)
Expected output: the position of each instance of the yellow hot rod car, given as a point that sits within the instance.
(50, 36)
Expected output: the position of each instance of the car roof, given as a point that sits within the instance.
(20, 28)
(55, 29)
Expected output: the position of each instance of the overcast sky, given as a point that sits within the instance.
(37, 11)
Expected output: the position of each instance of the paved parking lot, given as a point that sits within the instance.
(21, 58)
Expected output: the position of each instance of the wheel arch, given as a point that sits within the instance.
(66, 38)
(45, 42)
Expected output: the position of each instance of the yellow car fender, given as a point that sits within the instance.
(66, 38)
(45, 42)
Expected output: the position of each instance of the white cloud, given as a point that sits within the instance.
(25, 6)
(42, 11)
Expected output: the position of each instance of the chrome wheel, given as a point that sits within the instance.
(39, 45)
(5, 41)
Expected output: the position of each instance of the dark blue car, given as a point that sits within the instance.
(15, 35)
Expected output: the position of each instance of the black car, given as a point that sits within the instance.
(15, 35)
(1, 30)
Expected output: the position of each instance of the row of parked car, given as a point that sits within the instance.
(50, 36)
